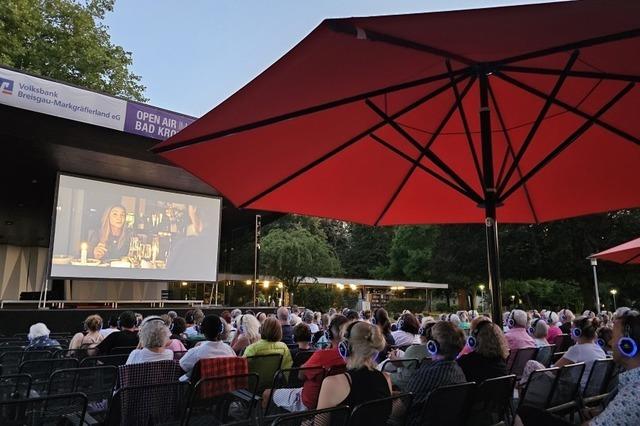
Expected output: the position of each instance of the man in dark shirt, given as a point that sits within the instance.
(287, 330)
(127, 335)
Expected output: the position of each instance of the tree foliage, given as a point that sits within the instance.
(67, 40)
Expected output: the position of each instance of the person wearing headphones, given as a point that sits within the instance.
(566, 318)
(552, 320)
(407, 332)
(127, 336)
(361, 383)
(270, 343)
(284, 317)
(539, 330)
(517, 335)
(586, 349)
(489, 352)
(154, 337)
(302, 336)
(214, 330)
(247, 332)
(401, 376)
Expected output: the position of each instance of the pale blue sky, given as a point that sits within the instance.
(193, 54)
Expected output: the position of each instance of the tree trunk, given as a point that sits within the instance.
(462, 299)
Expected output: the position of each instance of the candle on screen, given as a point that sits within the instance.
(83, 252)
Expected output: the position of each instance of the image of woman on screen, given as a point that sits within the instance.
(111, 241)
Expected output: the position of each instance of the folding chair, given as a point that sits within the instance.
(545, 354)
(595, 390)
(538, 390)
(447, 405)
(290, 379)
(224, 400)
(178, 354)
(78, 354)
(566, 390)
(265, 366)
(518, 360)
(393, 410)
(563, 342)
(336, 416)
(95, 361)
(148, 373)
(10, 361)
(492, 402)
(122, 350)
(154, 404)
(15, 386)
(300, 358)
(41, 369)
(67, 409)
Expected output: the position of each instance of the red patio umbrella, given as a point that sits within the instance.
(524, 114)
(626, 253)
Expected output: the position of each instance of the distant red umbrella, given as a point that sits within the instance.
(627, 253)
(530, 112)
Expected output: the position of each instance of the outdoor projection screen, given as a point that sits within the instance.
(114, 231)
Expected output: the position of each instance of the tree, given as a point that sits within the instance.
(368, 250)
(294, 254)
(66, 40)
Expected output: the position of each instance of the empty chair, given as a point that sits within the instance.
(36, 355)
(265, 366)
(154, 404)
(335, 416)
(596, 389)
(518, 359)
(398, 406)
(115, 360)
(41, 369)
(68, 409)
(447, 405)
(10, 361)
(566, 389)
(538, 390)
(224, 400)
(492, 401)
(545, 355)
(148, 373)
(15, 386)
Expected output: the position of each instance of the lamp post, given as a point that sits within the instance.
(594, 264)
(613, 292)
(481, 287)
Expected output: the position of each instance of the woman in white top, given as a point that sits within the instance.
(154, 336)
(407, 332)
(214, 330)
(91, 338)
(586, 349)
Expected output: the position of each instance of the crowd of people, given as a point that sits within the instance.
(458, 347)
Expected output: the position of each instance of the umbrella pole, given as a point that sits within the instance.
(490, 203)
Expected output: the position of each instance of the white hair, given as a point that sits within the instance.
(38, 330)
(294, 320)
(236, 312)
(153, 332)
(519, 317)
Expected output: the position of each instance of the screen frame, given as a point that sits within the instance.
(48, 274)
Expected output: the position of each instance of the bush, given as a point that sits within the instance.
(443, 307)
(396, 306)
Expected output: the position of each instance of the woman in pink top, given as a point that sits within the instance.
(552, 319)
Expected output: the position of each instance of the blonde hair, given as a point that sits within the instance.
(93, 323)
(271, 330)
(365, 341)
(250, 327)
(105, 228)
(154, 333)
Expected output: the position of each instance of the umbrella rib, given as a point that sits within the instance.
(465, 125)
(570, 108)
(571, 73)
(308, 110)
(626, 262)
(363, 33)
(423, 167)
(349, 142)
(567, 142)
(427, 152)
(416, 163)
(510, 150)
(536, 124)
(590, 42)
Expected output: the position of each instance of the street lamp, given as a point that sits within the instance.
(613, 292)
(481, 287)
(594, 264)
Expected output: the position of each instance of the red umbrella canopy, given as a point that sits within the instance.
(627, 253)
(378, 120)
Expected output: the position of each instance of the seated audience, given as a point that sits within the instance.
(489, 352)
(604, 339)
(91, 337)
(248, 332)
(261, 317)
(381, 320)
(401, 376)
(361, 382)
(407, 333)
(214, 329)
(516, 335)
(193, 323)
(306, 397)
(113, 326)
(566, 318)
(539, 330)
(452, 318)
(284, 317)
(154, 337)
(270, 343)
(174, 344)
(126, 337)
(585, 350)
(178, 326)
(464, 320)
(39, 338)
(552, 321)
(302, 336)
(446, 343)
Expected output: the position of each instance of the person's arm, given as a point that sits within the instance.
(76, 342)
(188, 360)
(563, 361)
(333, 391)
(239, 342)
(388, 377)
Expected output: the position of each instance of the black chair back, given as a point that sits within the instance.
(122, 350)
(212, 400)
(492, 401)
(94, 361)
(15, 386)
(178, 354)
(68, 409)
(41, 369)
(393, 410)
(545, 354)
(518, 360)
(78, 354)
(336, 416)
(97, 383)
(10, 361)
(538, 390)
(156, 404)
(567, 386)
(447, 405)
(301, 357)
(599, 377)
(563, 342)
